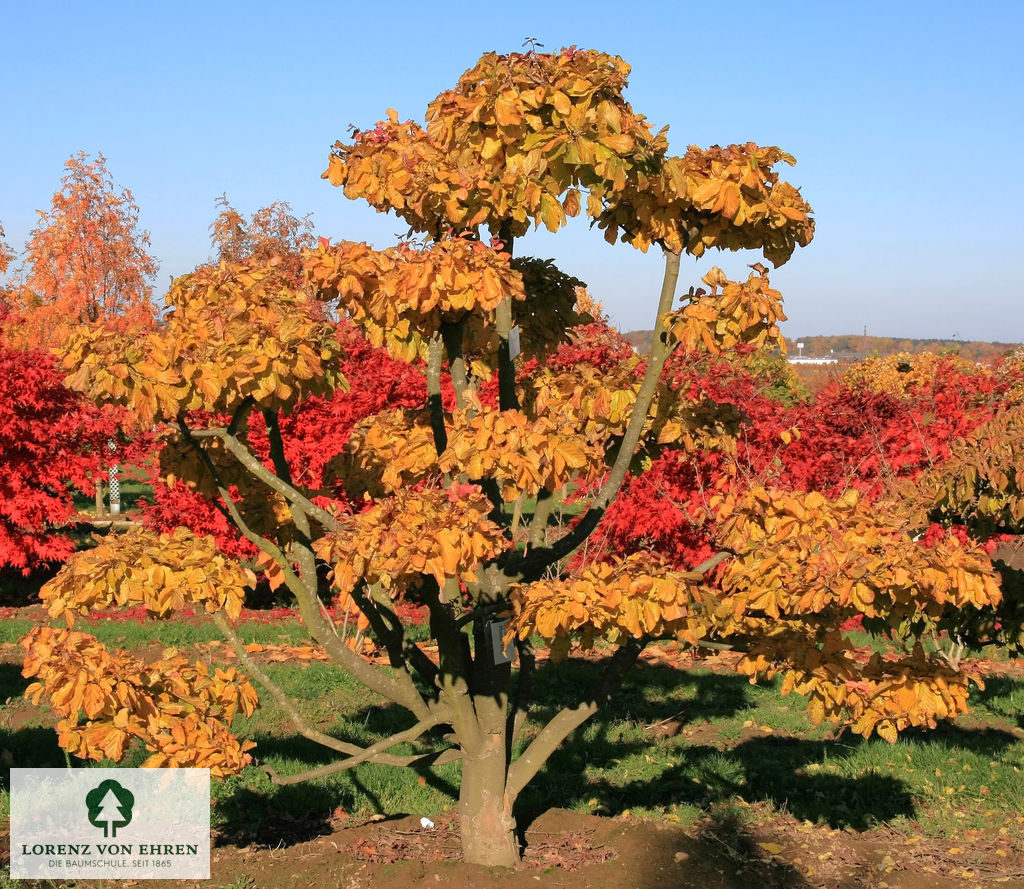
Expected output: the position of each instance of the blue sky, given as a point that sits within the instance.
(905, 118)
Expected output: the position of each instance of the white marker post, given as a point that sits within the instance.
(114, 483)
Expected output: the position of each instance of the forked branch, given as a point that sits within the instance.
(286, 703)
(532, 565)
(372, 754)
(397, 687)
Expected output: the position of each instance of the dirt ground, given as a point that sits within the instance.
(567, 850)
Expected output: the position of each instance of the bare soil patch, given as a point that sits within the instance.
(568, 850)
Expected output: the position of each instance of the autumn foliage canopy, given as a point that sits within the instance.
(87, 261)
(52, 442)
(446, 490)
(85, 265)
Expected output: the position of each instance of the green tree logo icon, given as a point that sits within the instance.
(110, 807)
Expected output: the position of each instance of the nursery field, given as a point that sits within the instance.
(513, 539)
(691, 776)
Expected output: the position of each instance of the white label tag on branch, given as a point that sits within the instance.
(514, 347)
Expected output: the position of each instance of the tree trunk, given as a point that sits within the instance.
(485, 813)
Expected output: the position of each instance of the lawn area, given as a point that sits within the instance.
(687, 746)
(686, 743)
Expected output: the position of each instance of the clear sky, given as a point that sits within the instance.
(906, 119)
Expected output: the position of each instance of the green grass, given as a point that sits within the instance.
(176, 632)
(724, 757)
(956, 777)
(735, 745)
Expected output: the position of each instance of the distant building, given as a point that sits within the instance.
(800, 360)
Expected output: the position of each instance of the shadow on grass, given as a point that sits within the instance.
(12, 683)
(648, 694)
(610, 765)
(292, 814)
(270, 814)
(24, 743)
(759, 770)
(1002, 696)
(593, 769)
(984, 740)
(725, 841)
(724, 852)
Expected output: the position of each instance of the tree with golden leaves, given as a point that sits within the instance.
(6, 254)
(87, 261)
(272, 236)
(522, 139)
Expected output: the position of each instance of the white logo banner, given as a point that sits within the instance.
(122, 824)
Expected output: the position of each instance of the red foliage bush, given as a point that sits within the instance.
(848, 435)
(852, 436)
(52, 442)
(666, 508)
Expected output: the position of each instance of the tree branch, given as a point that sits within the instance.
(264, 544)
(451, 333)
(241, 412)
(541, 513)
(399, 686)
(705, 566)
(525, 686)
(507, 397)
(277, 456)
(286, 703)
(480, 611)
(435, 357)
(391, 687)
(522, 771)
(256, 468)
(532, 565)
(370, 754)
(456, 667)
(386, 626)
